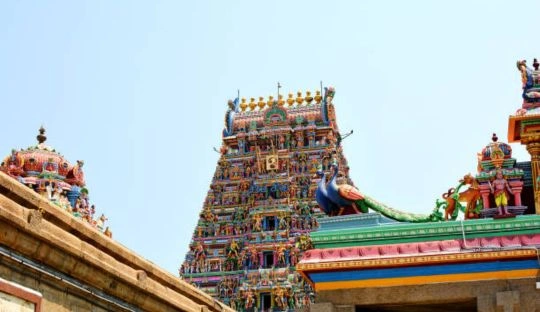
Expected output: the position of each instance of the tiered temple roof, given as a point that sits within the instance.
(43, 169)
(261, 204)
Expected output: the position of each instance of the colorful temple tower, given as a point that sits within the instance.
(261, 205)
(43, 169)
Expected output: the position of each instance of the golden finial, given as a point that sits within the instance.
(270, 101)
(243, 105)
(280, 101)
(318, 96)
(309, 98)
(290, 100)
(252, 104)
(299, 98)
(261, 103)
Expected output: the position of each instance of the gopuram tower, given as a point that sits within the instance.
(255, 221)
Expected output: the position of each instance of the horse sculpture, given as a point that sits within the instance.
(453, 199)
(450, 198)
(471, 196)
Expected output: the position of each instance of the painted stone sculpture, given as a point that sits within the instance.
(45, 171)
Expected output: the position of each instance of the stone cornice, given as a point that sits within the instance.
(35, 228)
(423, 232)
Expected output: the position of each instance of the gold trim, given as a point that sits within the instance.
(417, 260)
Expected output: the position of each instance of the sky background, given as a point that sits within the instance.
(138, 90)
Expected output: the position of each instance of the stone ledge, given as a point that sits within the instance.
(58, 234)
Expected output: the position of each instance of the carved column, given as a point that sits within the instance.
(485, 192)
(526, 130)
(534, 149)
(517, 187)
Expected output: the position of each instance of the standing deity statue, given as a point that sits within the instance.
(498, 188)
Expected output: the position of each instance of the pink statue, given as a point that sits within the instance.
(498, 189)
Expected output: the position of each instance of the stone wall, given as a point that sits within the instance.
(45, 249)
(489, 296)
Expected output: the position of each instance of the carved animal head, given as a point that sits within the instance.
(467, 179)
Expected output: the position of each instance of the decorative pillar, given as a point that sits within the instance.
(534, 149)
(485, 192)
(524, 126)
(517, 187)
(526, 130)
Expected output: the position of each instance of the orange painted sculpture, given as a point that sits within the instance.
(471, 196)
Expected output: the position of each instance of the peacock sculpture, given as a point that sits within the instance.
(344, 196)
(321, 194)
(346, 199)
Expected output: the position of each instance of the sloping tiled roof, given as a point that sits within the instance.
(420, 248)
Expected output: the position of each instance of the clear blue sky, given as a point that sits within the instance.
(139, 90)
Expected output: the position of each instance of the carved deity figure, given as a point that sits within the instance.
(250, 298)
(233, 249)
(300, 139)
(101, 221)
(76, 174)
(498, 188)
(13, 164)
(107, 232)
(281, 142)
(200, 256)
(257, 226)
(280, 298)
(49, 167)
(280, 250)
(530, 81)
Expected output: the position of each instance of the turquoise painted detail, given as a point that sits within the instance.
(395, 233)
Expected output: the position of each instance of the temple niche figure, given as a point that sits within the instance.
(76, 175)
(13, 164)
(498, 188)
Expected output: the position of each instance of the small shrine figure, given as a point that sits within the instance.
(254, 257)
(233, 249)
(108, 232)
(281, 142)
(200, 256)
(280, 298)
(76, 175)
(50, 166)
(56, 193)
(294, 256)
(498, 188)
(13, 164)
(258, 223)
(280, 251)
(101, 221)
(283, 224)
(250, 298)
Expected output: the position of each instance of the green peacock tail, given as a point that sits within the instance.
(397, 215)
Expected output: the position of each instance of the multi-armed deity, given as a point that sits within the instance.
(44, 170)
